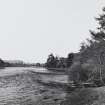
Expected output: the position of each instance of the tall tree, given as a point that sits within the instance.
(96, 48)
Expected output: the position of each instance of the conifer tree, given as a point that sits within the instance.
(100, 34)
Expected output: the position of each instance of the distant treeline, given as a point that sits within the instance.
(15, 64)
(18, 65)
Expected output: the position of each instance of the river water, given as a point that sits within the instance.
(19, 86)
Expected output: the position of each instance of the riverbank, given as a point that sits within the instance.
(86, 96)
(62, 70)
(24, 86)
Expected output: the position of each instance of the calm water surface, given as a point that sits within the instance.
(19, 86)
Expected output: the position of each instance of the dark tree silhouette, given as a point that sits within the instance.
(95, 50)
(51, 61)
(2, 63)
(70, 59)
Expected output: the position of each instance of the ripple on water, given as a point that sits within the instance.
(22, 89)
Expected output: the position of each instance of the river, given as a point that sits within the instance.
(19, 86)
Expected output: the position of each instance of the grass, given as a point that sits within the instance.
(86, 96)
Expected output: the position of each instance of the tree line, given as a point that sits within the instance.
(89, 63)
(59, 62)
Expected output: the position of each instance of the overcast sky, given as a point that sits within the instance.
(32, 29)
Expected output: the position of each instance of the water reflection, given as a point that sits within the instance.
(20, 87)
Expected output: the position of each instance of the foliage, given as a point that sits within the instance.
(70, 59)
(2, 63)
(59, 62)
(91, 59)
(51, 61)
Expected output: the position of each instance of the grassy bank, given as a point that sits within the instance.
(86, 96)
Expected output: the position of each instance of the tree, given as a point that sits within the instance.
(61, 62)
(2, 63)
(100, 34)
(51, 61)
(70, 59)
(95, 50)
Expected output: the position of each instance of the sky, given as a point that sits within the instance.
(32, 29)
